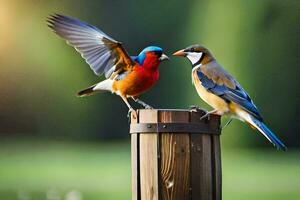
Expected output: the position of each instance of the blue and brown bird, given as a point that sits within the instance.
(222, 92)
(126, 76)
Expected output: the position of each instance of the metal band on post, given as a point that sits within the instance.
(200, 128)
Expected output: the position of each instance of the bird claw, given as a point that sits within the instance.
(148, 107)
(132, 112)
(207, 115)
(194, 108)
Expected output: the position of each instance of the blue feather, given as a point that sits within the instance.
(134, 58)
(141, 57)
(268, 134)
(152, 48)
(237, 95)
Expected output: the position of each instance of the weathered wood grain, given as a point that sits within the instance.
(217, 168)
(135, 168)
(201, 169)
(175, 159)
(148, 158)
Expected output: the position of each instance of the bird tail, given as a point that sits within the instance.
(86, 92)
(263, 129)
(104, 86)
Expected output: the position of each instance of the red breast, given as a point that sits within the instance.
(141, 78)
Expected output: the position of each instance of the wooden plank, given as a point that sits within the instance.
(135, 168)
(201, 164)
(217, 168)
(148, 158)
(175, 159)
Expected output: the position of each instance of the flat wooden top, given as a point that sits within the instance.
(155, 121)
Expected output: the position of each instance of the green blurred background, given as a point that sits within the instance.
(55, 146)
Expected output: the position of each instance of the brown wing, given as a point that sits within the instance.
(218, 75)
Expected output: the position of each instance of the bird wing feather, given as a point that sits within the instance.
(104, 54)
(219, 82)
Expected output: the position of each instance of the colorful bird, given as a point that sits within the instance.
(125, 76)
(221, 91)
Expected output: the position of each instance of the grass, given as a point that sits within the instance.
(54, 170)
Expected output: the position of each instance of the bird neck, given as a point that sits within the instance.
(206, 58)
(151, 62)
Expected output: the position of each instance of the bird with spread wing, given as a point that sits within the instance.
(126, 76)
(221, 91)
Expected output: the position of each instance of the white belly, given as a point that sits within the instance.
(213, 100)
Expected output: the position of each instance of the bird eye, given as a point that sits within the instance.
(192, 49)
(158, 53)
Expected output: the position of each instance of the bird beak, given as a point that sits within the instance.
(164, 57)
(180, 53)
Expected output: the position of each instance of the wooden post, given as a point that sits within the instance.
(175, 155)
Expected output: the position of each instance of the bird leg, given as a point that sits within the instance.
(131, 110)
(207, 114)
(227, 123)
(137, 100)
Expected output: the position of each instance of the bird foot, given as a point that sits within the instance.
(194, 108)
(132, 112)
(207, 115)
(148, 107)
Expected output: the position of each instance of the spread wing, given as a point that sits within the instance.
(100, 51)
(217, 81)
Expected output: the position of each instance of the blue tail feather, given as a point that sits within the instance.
(269, 134)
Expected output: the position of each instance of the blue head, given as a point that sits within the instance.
(151, 49)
